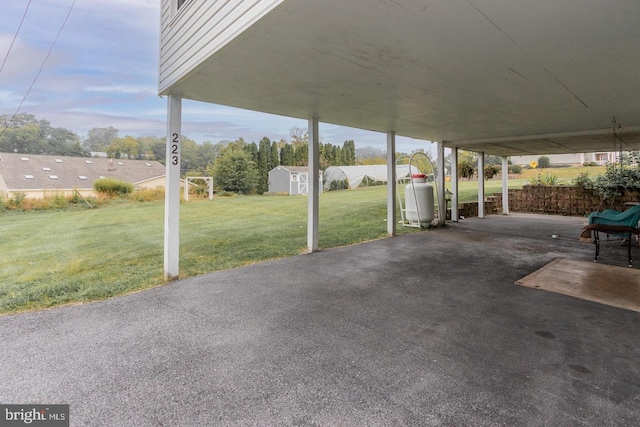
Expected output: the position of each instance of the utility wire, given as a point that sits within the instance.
(41, 67)
(15, 36)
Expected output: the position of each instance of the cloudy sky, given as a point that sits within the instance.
(103, 71)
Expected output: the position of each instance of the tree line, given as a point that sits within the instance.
(243, 167)
(237, 166)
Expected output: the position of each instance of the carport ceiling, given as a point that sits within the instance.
(506, 77)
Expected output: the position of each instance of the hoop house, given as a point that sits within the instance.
(354, 175)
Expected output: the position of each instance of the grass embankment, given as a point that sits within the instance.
(468, 190)
(57, 257)
(565, 174)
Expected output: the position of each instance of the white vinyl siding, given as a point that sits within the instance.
(199, 29)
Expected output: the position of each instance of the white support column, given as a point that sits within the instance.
(505, 186)
(481, 185)
(314, 191)
(442, 205)
(391, 183)
(454, 185)
(172, 188)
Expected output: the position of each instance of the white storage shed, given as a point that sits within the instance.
(293, 180)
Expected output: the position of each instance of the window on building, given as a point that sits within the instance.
(180, 3)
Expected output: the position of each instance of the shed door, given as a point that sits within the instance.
(303, 185)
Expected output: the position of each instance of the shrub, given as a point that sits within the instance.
(466, 169)
(58, 201)
(112, 186)
(589, 164)
(338, 185)
(548, 180)
(17, 201)
(544, 162)
(515, 169)
(616, 177)
(148, 194)
(490, 171)
(583, 180)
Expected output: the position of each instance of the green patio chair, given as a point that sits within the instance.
(628, 218)
(612, 222)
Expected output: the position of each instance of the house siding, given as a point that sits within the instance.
(199, 29)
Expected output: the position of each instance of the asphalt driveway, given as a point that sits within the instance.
(422, 329)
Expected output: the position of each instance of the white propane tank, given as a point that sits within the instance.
(419, 199)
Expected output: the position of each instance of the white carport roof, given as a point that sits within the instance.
(507, 77)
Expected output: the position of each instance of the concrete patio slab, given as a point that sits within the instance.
(422, 329)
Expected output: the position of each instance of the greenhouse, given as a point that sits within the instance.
(342, 177)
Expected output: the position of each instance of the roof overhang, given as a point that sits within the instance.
(500, 76)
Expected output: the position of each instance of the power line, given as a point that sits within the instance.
(15, 36)
(41, 67)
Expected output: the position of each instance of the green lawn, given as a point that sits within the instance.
(58, 257)
(565, 174)
(51, 258)
(468, 190)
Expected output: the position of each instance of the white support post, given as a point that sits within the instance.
(505, 186)
(314, 199)
(455, 216)
(391, 184)
(172, 189)
(442, 204)
(481, 185)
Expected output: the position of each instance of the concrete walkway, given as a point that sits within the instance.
(423, 329)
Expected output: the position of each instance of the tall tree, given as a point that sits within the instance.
(274, 158)
(287, 155)
(234, 171)
(252, 149)
(24, 133)
(98, 139)
(126, 147)
(264, 155)
(301, 154)
(349, 153)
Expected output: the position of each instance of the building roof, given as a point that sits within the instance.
(44, 172)
(294, 169)
(501, 76)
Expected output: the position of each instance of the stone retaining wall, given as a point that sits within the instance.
(553, 200)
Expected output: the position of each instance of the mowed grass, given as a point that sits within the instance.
(59, 257)
(468, 190)
(52, 258)
(565, 174)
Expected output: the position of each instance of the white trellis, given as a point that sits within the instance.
(189, 179)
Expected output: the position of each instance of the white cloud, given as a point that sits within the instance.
(121, 88)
